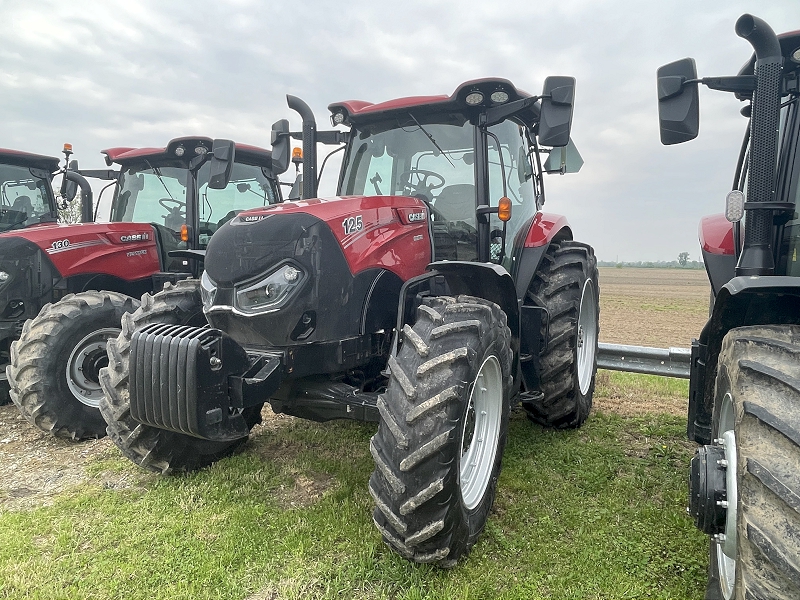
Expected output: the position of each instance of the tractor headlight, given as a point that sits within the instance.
(270, 292)
(4, 277)
(208, 290)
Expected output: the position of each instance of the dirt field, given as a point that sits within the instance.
(652, 307)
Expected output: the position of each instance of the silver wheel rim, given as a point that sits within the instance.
(481, 432)
(587, 336)
(83, 366)
(727, 543)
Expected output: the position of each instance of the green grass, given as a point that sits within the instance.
(593, 513)
(634, 384)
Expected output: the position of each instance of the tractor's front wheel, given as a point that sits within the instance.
(55, 365)
(443, 425)
(746, 491)
(154, 449)
(566, 285)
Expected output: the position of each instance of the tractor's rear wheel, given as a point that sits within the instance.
(566, 285)
(154, 449)
(757, 423)
(55, 365)
(443, 426)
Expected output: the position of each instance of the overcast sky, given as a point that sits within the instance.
(139, 73)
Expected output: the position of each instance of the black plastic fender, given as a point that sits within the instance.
(752, 300)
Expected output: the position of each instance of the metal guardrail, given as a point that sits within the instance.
(669, 362)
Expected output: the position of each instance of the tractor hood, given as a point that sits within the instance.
(75, 249)
(388, 232)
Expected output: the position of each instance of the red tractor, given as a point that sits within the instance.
(65, 287)
(27, 200)
(426, 297)
(744, 404)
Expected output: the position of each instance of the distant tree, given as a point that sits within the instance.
(71, 213)
(683, 258)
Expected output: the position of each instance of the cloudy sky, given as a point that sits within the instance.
(139, 73)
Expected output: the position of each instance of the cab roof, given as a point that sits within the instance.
(124, 155)
(359, 111)
(26, 159)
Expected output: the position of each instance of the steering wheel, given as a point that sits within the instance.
(422, 185)
(171, 204)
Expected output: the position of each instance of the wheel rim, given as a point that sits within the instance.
(727, 543)
(481, 432)
(587, 336)
(84, 364)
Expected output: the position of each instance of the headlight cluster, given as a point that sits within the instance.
(270, 292)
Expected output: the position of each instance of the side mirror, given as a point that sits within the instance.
(69, 189)
(563, 160)
(555, 118)
(223, 153)
(280, 146)
(678, 102)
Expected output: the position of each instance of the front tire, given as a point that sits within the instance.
(443, 426)
(757, 422)
(54, 369)
(566, 285)
(154, 449)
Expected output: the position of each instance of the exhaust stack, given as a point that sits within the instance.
(309, 145)
(756, 257)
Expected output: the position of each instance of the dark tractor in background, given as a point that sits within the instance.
(426, 297)
(65, 287)
(744, 405)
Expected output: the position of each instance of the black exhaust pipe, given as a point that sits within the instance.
(309, 145)
(756, 257)
(87, 201)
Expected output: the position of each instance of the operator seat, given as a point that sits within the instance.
(22, 204)
(457, 203)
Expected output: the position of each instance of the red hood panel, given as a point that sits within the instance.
(124, 250)
(389, 232)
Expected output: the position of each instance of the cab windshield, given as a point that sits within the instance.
(435, 162)
(157, 194)
(25, 197)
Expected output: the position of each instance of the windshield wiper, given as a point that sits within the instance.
(433, 141)
(158, 174)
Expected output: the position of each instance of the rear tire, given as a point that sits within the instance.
(566, 285)
(443, 426)
(154, 449)
(54, 369)
(757, 413)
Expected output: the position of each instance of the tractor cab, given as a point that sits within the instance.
(169, 188)
(472, 158)
(26, 194)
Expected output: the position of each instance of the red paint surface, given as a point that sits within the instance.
(716, 234)
(544, 227)
(96, 248)
(384, 240)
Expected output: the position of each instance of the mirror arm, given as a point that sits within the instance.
(496, 115)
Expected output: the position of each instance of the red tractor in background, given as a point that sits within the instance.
(27, 200)
(426, 297)
(66, 287)
(744, 395)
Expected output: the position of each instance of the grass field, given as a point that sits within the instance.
(593, 513)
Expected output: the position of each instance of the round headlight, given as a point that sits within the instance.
(796, 56)
(180, 151)
(4, 276)
(338, 118)
(499, 97)
(200, 150)
(474, 98)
